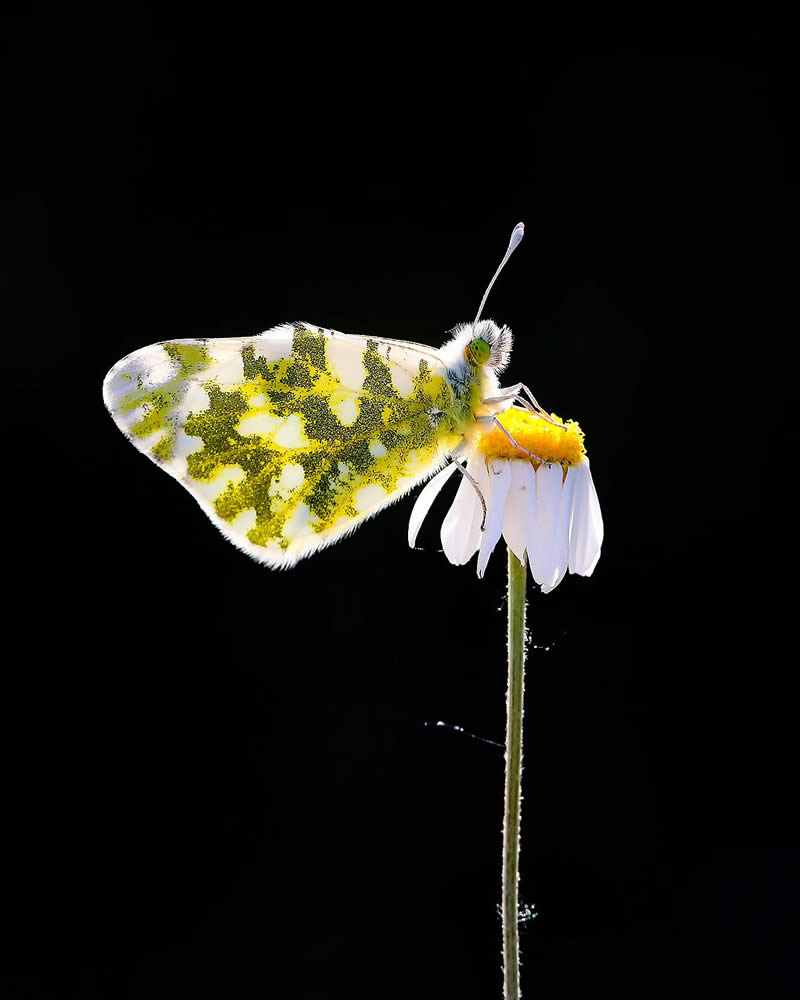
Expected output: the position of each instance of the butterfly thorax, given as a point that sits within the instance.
(470, 381)
(466, 384)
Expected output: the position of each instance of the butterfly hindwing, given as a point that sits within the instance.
(289, 439)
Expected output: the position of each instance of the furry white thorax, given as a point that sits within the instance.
(459, 370)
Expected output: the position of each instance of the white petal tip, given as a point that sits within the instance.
(425, 500)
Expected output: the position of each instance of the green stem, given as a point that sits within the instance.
(517, 572)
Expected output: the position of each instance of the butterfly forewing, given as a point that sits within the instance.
(287, 440)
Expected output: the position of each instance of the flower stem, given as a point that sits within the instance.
(517, 573)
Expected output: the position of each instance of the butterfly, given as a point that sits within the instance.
(290, 439)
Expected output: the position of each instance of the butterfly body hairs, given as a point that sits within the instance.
(290, 439)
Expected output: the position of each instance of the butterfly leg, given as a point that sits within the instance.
(515, 392)
(496, 422)
(454, 455)
(542, 412)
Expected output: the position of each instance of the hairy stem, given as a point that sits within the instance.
(517, 573)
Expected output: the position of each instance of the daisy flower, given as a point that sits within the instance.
(546, 509)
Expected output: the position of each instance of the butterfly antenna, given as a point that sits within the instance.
(516, 236)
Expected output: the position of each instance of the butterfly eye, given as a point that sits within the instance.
(479, 351)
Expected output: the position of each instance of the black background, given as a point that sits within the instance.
(223, 781)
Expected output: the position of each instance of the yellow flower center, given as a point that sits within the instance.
(551, 444)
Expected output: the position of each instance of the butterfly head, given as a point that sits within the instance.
(486, 344)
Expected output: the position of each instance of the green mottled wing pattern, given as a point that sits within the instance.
(290, 439)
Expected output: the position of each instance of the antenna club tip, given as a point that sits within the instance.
(516, 236)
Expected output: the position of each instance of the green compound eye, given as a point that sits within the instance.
(480, 351)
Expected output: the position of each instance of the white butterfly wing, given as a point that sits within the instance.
(289, 439)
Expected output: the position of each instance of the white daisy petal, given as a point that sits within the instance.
(586, 534)
(461, 527)
(520, 507)
(547, 552)
(425, 501)
(499, 484)
(457, 523)
(563, 521)
(480, 473)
